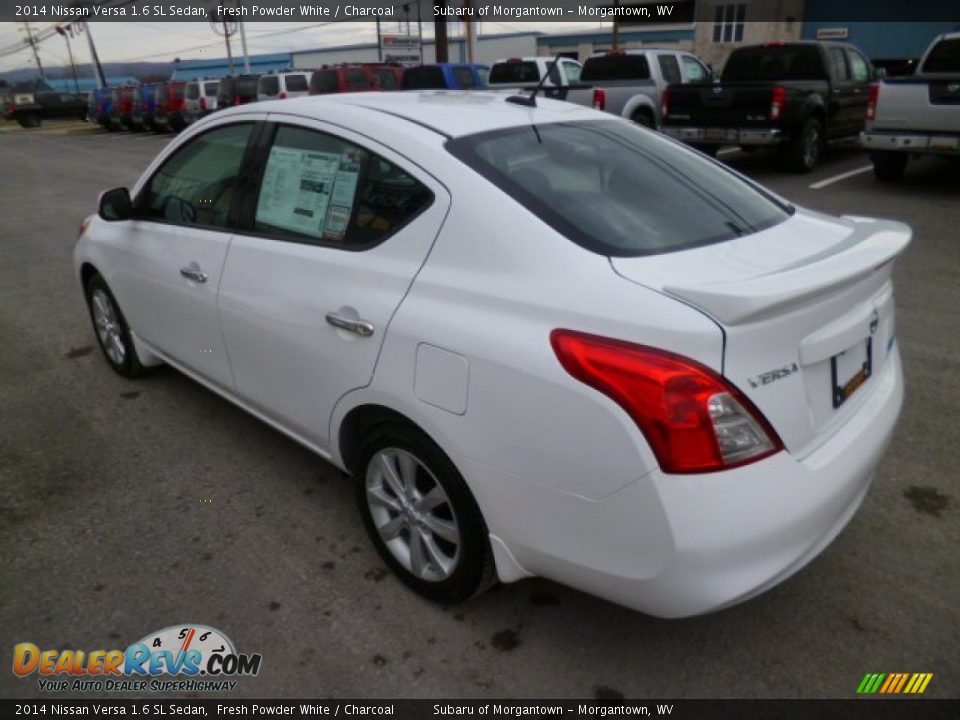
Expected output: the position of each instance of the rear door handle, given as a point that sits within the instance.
(354, 325)
(193, 272)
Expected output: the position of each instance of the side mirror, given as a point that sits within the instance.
(115, 205)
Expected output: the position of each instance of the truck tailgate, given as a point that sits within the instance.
(720, 105)
(919, 103)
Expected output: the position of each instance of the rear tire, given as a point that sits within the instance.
(29, 120)
(803, 152)
(644, 118)
(888, 166)
(111, 329)
(421, 516)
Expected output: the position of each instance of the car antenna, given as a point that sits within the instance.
(531, 99)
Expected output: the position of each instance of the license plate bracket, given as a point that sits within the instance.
(842, 390)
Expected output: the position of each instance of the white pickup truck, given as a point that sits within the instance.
(916, 115)
(527, 72)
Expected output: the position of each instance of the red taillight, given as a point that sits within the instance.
(778, 101)
(514, 60)
(237, 100)
(873, 94)
(203, 103)
(693, 419)
(283, 96)
(599, 99)
(665, 103)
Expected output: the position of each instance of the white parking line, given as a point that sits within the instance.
(841, 176)
(728, 151)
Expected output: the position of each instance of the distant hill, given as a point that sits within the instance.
(147, 71)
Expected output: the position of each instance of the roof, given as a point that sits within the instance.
(451, 112)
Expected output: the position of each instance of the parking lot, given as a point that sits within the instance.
(126, 507)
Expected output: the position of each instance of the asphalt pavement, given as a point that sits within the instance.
(131, 506)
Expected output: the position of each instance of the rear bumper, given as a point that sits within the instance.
(725, 136)
(912, 142)
(676, 546)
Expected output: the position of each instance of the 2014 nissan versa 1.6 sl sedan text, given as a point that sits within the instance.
(543, 341)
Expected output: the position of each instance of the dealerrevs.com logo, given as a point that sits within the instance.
(200, 658)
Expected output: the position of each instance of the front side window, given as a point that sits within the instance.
(320, 189)
(356, 79)
(464, 77)
(617, 190)
(572, 73)
(694, 71)
(196, 185)
(669, 68)
(858, 67)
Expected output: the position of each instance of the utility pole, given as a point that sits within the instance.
(243, 43)
(73, 67)
(226, 38)
(379, 42)
(440, 37)
(616, 28)
(33, 46)
(468, 30)
(94, 56)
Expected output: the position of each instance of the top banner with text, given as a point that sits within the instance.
(628, 12)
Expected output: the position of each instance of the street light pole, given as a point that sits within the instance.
(73, 67)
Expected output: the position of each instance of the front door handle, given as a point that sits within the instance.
(193, 272)
(354, 325)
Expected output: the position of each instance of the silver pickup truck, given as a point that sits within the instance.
(916, 115)
(630, 83)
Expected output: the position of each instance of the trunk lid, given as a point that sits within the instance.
(807, 312)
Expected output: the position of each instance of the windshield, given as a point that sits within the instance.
(616, 189)
(774, 62)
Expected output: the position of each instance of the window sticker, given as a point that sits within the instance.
(296, 190)
(342, 196)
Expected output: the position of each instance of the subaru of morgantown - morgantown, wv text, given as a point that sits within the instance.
(542, 340)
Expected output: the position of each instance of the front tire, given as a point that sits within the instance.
(111, 329)
(803, 152)
(888, 166)
(421, 516)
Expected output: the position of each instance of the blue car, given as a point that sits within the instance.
(104, 99)
(446, 76)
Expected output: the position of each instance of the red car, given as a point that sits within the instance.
(168, 114)
(356, 78)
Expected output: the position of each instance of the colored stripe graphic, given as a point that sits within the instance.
(894, 683)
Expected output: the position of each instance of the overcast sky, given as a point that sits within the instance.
(132, 41)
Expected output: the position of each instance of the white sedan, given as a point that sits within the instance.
(542, 340)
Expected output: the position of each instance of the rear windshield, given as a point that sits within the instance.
(423, 78)
(296, 83)
(776, 62)
(514, 72)
(269, 85)
(246, 86)
(193, 91)
(324, 81)
(210, 88)
(616, 189)
(615, 67)
(944, 58)
(356, 79)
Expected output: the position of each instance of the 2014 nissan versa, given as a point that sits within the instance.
(542, 340)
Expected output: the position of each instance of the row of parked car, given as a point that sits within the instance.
(171, 106)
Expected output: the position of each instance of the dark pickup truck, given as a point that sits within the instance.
(47, 105)
(795, 96)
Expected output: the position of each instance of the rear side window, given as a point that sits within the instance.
(572, 72)
(669, 68)
(320, 189)
(464, 77)
(269, 85)
(210, 89)
(839, 58)
(944, 58)
(193, 91)
(324, 81)
(356, 79)
(426, 77)
(387, 79)
(296, 83)
(196, 185)
(514, 72)
(774, 62)
(615, 67)
(616, 190)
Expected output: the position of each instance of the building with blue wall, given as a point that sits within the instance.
(220, 67)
